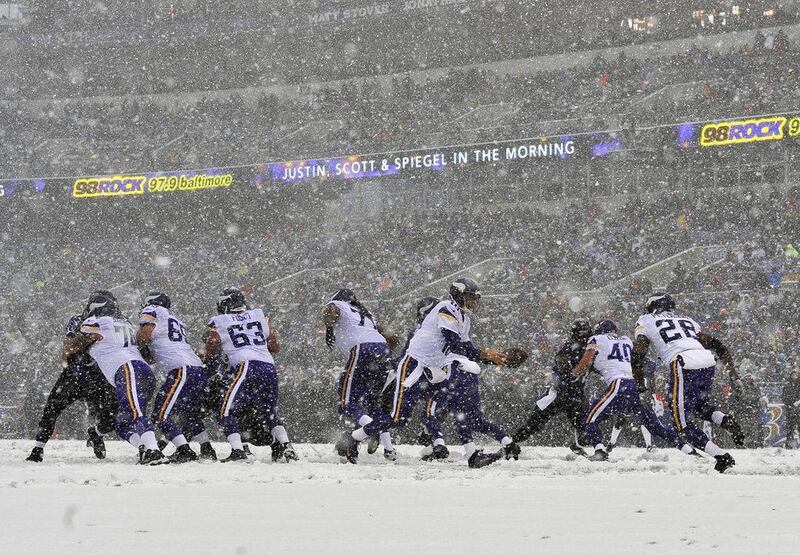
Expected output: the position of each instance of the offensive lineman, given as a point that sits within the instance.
(180, 397)
(610, 356)
(350, 327)
(244, 335)
(566, 394)
(79, 379)
(690, 354)
(111, 341)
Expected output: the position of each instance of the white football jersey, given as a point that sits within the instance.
(669, 335)
(613, 359)
(116, 346)
(351, 329)
(168, 340)
(243, 335)
(428, 344)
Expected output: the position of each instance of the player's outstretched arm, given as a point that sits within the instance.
(723, 353)
(79, 343)
(467, 349)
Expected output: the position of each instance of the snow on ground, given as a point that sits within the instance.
(547, 502)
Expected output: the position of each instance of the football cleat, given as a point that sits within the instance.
(207, 452)
(599, 455)
(247, 451)
(730, 424)
(611, 447)
(277, 450)
(724, 462)
(577, 449)
(347, 448)
(437, 453)
(162, 444)
(512, 451)
(183, 454)
(390, 454)
(37, 455)
(151, 457)
(289, 453)
(479, 459)
(372, 445)
(141, 454)
(96, 442)
(236, 455)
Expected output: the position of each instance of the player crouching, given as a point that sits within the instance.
(244, 335)
(610, 356)
(111, 341)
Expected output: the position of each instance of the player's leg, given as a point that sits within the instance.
(103, 406)
(167, 405)
(351, 388)
(686, 387)
(239, 391)
(652, 426)
(281, 446)
(464, 402)
(65, 392)
(545, 408)
(707, 409)
(575, 407)
(606, 405)
(436, 405)
(140, 384)
(620, 422)
(647, 437)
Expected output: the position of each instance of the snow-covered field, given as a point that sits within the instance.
(550, 502)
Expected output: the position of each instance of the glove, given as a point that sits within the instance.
(515, 357)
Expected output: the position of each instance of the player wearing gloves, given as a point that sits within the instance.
(441, 349)
(163, 336)
(111, 342)
(246, 338)
(566, 394)
(610, 356)
(80, 379)
(692, 357)
(351, 328)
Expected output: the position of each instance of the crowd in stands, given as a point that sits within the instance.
(124, 131)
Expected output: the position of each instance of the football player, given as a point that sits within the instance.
(80, 379)
(566, 394)
(163, 336)
(609, 355)
(442, 345)
(111, 342)
(351, 328)
(692, 357)
(245, 336)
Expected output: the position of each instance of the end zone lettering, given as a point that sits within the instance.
(746, 131)
(116, 185)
